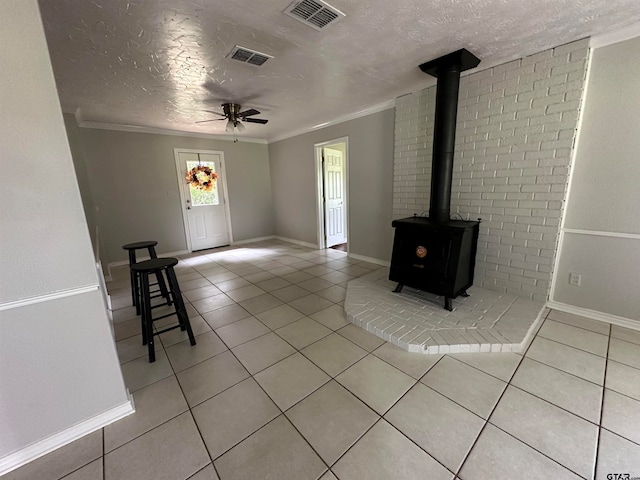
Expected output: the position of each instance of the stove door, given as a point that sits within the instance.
(422, 258)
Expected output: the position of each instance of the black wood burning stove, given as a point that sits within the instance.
(437, 254)
(437, 257)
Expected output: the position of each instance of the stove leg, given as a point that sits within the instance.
(465, 294)
(447, 304)
(398, 289)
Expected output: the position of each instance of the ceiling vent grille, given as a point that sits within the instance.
(314, 13)
(246, 55)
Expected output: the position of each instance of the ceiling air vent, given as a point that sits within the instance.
(314, 13)
(247, 55)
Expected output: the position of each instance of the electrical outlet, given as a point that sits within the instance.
(575, 279)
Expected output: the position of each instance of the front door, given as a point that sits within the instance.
(205, 213)
(334, 197)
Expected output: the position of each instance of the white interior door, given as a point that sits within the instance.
(205, 211)
(334, 197)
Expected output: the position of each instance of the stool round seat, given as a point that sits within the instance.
(131, 248)
(154, 264)
(140, 245)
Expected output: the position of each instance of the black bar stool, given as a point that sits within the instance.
(135, 286)
(157, 266)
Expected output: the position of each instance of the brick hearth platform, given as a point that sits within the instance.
(486, 321)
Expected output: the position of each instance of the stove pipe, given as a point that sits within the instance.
(447, 70)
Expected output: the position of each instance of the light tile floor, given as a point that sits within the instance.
(281, 386)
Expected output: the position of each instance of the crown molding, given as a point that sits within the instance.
(618, 36)
(163, 131)
(160, 131)
(345, 118)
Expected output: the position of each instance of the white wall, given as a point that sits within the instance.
(133, 182)
(292, 164)
(605, 190)
(515, 131)
(58, 364)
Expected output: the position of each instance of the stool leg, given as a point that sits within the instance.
(181, 310)
(138, 291)
(143, 325)
(146, 316)
(135, 293)
(160, 278)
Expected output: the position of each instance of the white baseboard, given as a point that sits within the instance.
(297, 242)
(595, 315)
(49, 444)
(143, 258)
(377, 261)
(252, 240)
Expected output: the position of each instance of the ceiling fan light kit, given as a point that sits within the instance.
(235, 117)
(232, 127)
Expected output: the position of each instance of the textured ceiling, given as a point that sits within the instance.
(160, 63)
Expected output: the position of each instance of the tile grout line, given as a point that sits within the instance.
(478, 369)
(230, 350)
(66, 475)
(581, 328)
(508, 433)
(202, 469)
(381, 417)
(192, 416)
(551, 403)
(104, 454)
(486, 422)
(563, 371)
(571, 346)
(368, 353)
(282, 413)
(604, 383)
(398, 401)
(620, 435)
(311, 393)
(535, 449)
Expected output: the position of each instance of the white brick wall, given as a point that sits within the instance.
(515, 133)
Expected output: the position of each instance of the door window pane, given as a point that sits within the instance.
(199, 197)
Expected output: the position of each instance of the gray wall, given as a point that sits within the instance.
(58, 364)
(605, 190)
(370, 175)
(82, 176)
(133, 183)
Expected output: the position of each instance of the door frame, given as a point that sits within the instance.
(319, 176)
(183, 200)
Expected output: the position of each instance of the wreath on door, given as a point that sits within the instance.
(202, 177)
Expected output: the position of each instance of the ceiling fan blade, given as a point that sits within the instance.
(217, 113)
(212, 120)
(248, 113)
(256, 120)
